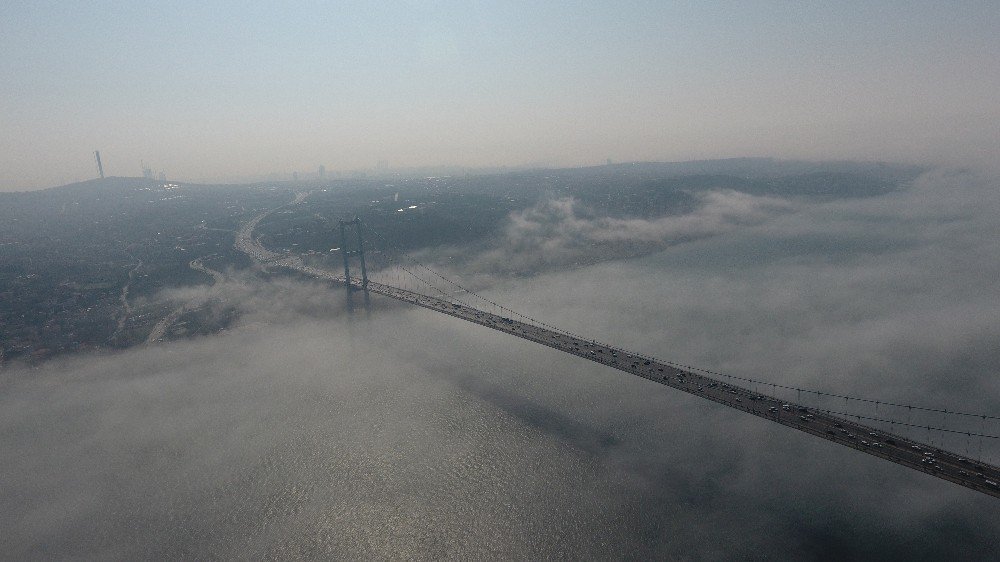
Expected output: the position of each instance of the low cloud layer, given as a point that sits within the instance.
(892, 298)
(311, 430)
(561, 232)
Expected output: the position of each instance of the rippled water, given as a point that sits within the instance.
(402, 433)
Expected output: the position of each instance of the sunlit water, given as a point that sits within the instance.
(402, 433)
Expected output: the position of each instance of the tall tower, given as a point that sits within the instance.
(100, 168)
(360, 252)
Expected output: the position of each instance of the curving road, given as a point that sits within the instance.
(160, 328)
(246, 242)
(123, 298)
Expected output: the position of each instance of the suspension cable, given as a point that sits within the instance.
(417, 277)
(929, 427)
(671, 363)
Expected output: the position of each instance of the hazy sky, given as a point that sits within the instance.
(215, 90)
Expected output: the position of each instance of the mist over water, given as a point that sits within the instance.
(311, 430)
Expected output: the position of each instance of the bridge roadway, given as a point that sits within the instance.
(943, 464)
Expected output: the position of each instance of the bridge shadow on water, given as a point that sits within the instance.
(664, 482)
(580, 435)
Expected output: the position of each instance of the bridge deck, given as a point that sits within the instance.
(943, 464)
(913, 454)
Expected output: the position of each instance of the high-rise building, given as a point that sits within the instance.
(322, 172)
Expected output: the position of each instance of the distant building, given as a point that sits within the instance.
(322, 172)
(295, 176)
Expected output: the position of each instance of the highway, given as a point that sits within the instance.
(936, 462)
(246, 243)
(925, 458)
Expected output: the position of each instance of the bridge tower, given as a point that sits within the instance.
(347, 252)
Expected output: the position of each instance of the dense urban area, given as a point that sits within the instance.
(83, 267)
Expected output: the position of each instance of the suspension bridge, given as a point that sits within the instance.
(883, 435)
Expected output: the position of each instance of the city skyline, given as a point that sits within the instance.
(211, 92)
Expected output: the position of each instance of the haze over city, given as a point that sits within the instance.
(503, 280)
(227, 92)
